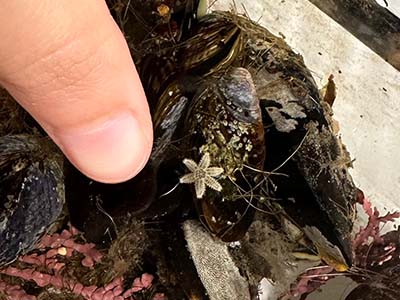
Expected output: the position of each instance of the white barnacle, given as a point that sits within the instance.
(248, 147)
(202, 175)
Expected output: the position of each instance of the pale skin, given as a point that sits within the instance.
(67, 63)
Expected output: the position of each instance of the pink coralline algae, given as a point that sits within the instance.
(371, 235)
(64, 244)
(51, 274)
(14, 292)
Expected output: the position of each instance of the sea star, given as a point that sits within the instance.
(202, 175)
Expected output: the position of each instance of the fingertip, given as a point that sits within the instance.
(112, 152)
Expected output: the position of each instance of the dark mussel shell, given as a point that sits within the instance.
(31, 193)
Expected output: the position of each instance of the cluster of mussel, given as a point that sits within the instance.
(240, 129)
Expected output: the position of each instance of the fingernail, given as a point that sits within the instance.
(113, 152)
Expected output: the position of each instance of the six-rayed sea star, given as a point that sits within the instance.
(202, 175)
